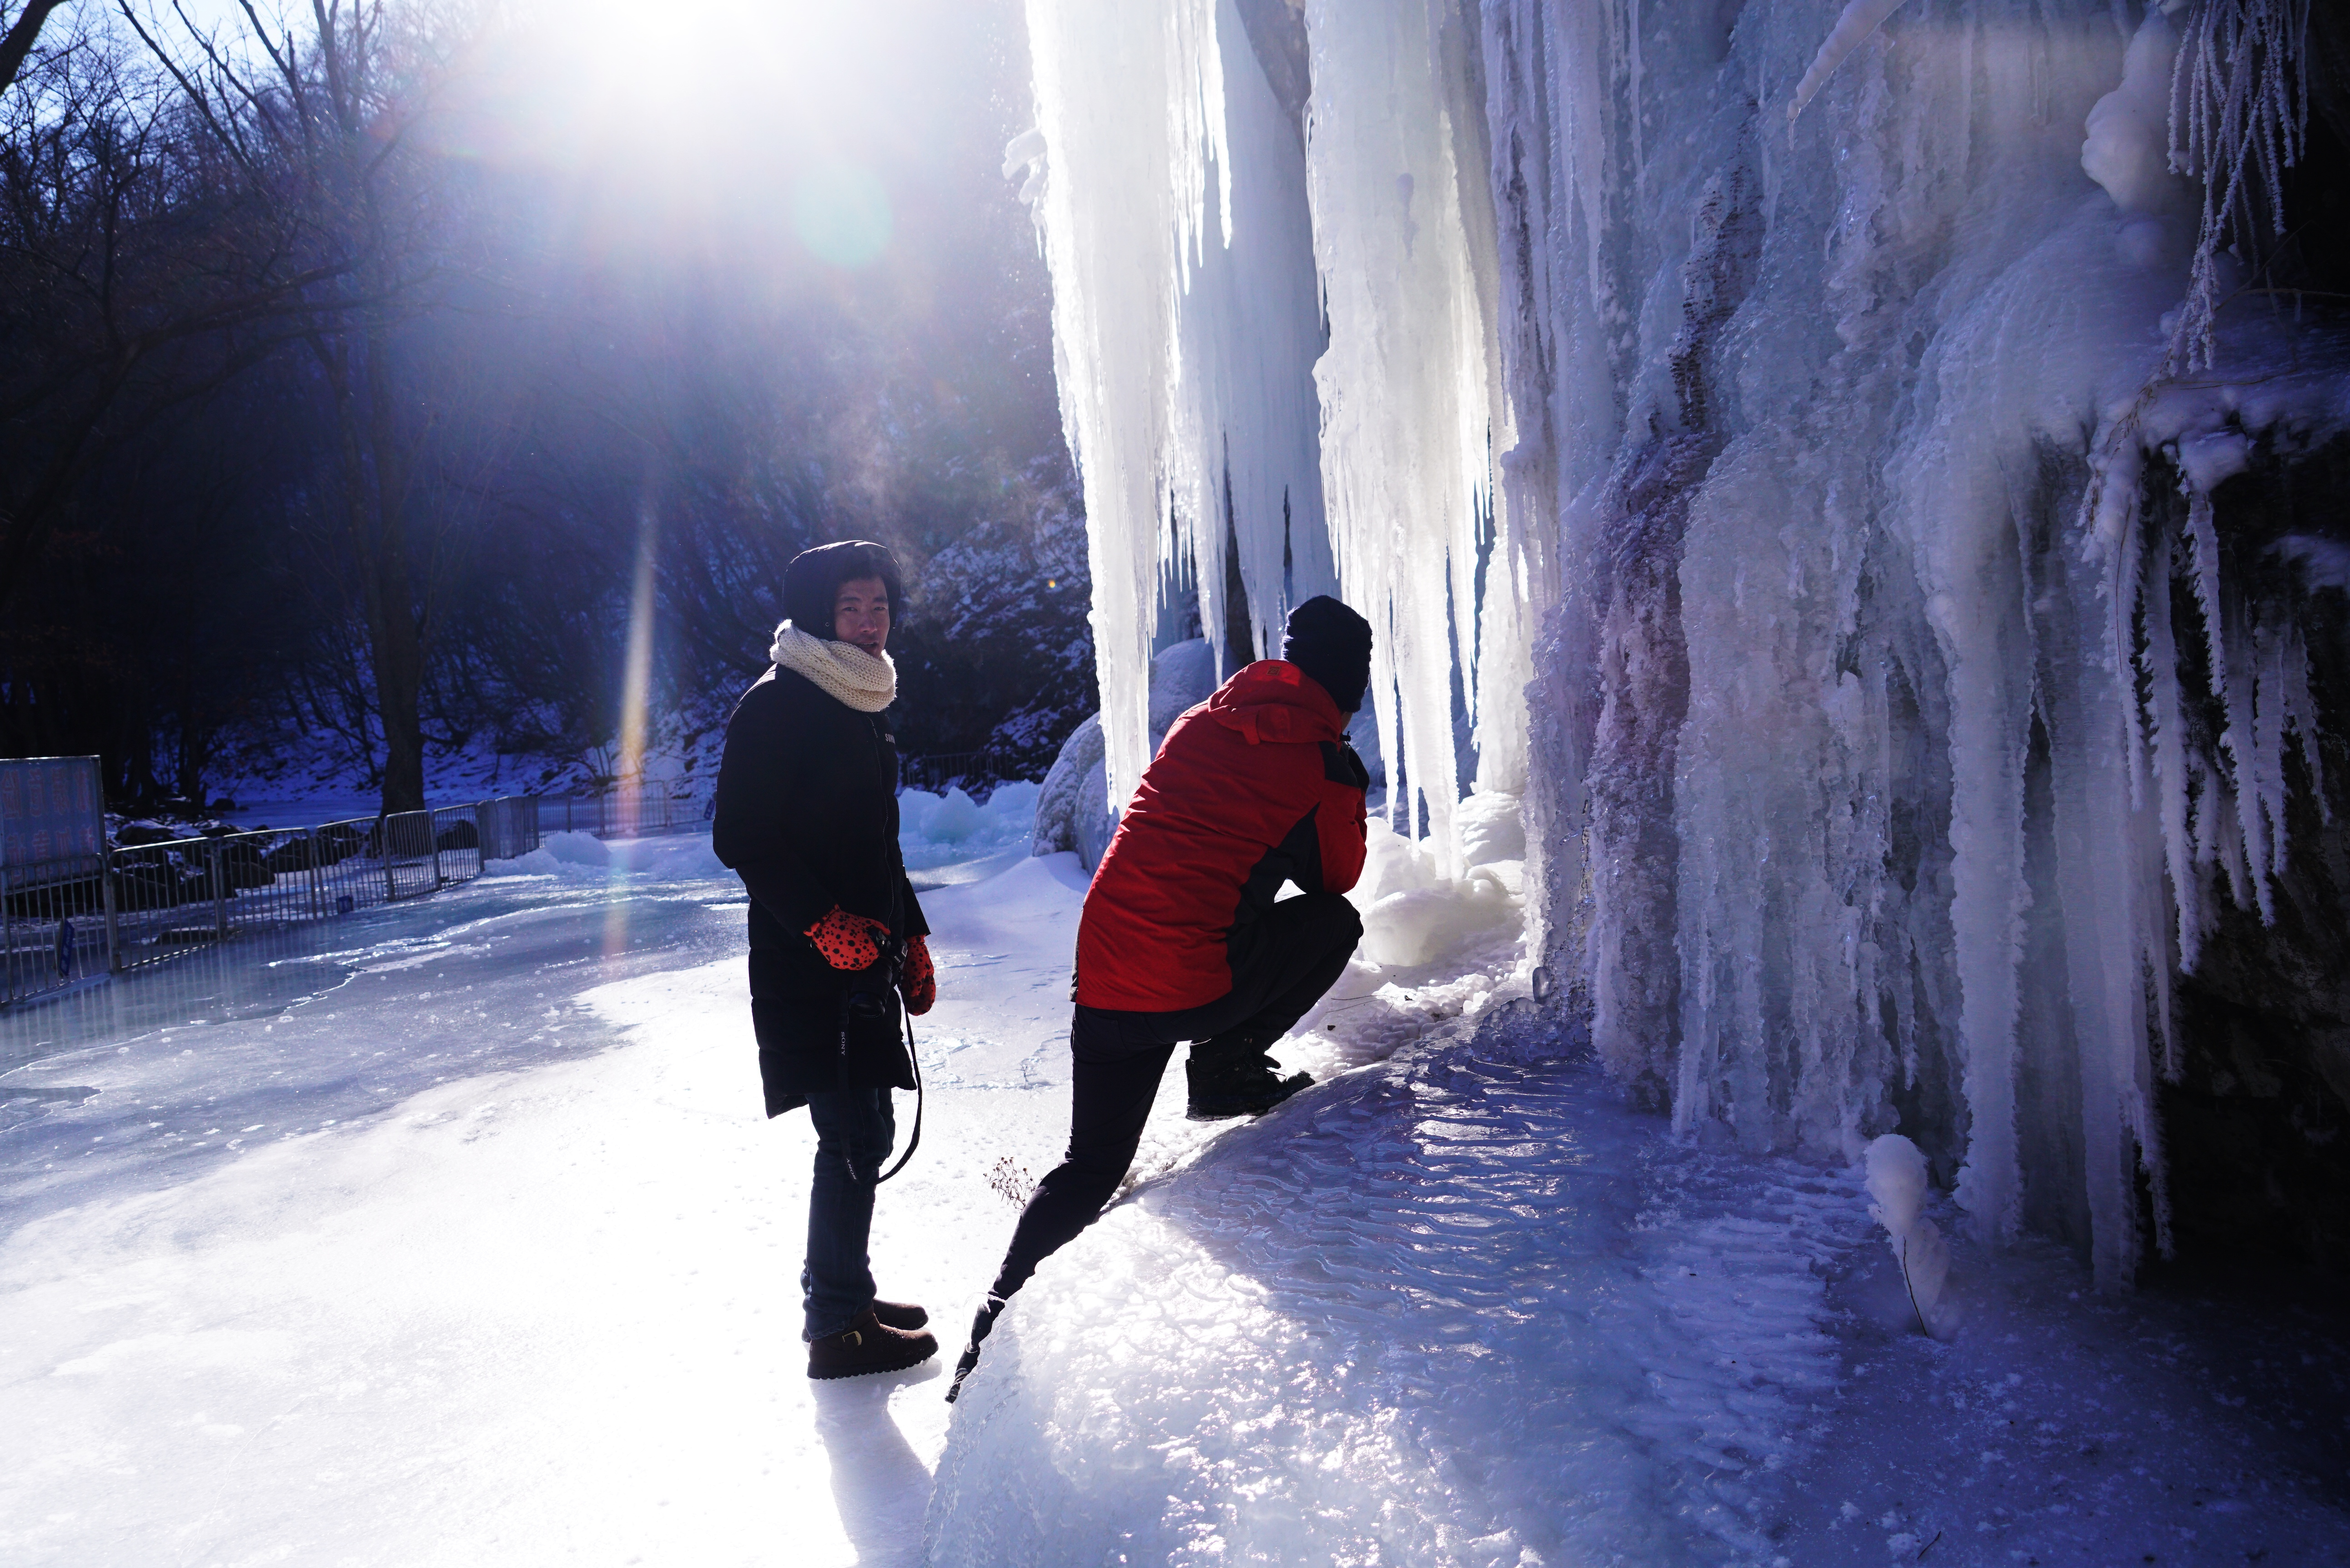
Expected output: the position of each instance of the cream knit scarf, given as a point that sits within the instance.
(842, 669)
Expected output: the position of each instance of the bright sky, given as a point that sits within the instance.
(834, 118)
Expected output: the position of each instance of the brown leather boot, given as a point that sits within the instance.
(900, 1314)
(867, 1346)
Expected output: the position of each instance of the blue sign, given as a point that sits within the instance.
(50, 809)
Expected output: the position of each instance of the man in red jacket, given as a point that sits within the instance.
(1184, 936)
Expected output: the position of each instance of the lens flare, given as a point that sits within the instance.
(841, 213)
(636, 690)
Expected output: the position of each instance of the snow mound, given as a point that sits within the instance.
(1413, 915)
(686, 857)
(575, 848)
(1896, 1189)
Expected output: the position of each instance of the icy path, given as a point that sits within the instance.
(272, 1292)
(461, 1239)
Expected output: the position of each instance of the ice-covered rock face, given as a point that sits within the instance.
(1905, 698)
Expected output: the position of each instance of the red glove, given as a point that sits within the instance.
(920, 981)
(849, 941)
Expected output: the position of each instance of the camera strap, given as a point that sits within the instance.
(914, 1140)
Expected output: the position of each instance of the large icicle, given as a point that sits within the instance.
(1185, 327)
(1245, 439)
(1410, 389)
(1115, 113)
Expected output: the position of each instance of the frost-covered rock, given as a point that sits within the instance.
(1073, 809)
(1182, 677)
(1363, 735)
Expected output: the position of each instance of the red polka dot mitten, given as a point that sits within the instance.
(919, 982)
(849, 941)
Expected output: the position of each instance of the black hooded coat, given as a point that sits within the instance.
(806, 815)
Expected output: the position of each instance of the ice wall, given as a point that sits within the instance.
(1788, 439)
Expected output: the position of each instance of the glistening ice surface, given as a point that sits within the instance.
(392, 1281)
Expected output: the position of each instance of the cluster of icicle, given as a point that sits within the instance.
(1810, 467)
(1186, 326)
(1234, 377)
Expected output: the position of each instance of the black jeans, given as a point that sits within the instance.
(853, 1129)
(1283, 962)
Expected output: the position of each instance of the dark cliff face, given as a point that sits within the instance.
(2258, 1123)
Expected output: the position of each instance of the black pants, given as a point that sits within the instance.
(1281, 964)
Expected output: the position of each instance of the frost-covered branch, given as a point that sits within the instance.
(2239, 118)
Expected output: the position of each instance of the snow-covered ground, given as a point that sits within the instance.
(452, 1233)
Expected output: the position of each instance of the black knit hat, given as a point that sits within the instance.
(813, 581)
(1332, 644)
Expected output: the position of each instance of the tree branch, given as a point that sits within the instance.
(18, 43)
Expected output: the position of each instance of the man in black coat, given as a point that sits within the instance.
(806, 815)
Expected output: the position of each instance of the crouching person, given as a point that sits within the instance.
(1183, 937)
(808, 815)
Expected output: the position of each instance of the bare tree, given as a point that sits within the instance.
(330, 118)
(138, 270)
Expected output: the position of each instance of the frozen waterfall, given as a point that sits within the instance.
(1784, 443)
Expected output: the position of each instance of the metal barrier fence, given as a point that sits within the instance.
(53, 926)
(621, 812)
(936, 771)
(142, 904)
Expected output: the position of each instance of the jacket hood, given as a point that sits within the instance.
(1274, 700)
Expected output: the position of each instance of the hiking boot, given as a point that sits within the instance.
(982, 1321)
(900, 1314)
(867, 1345)
(1248, 1086)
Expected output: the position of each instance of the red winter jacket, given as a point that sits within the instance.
(1253, 787)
